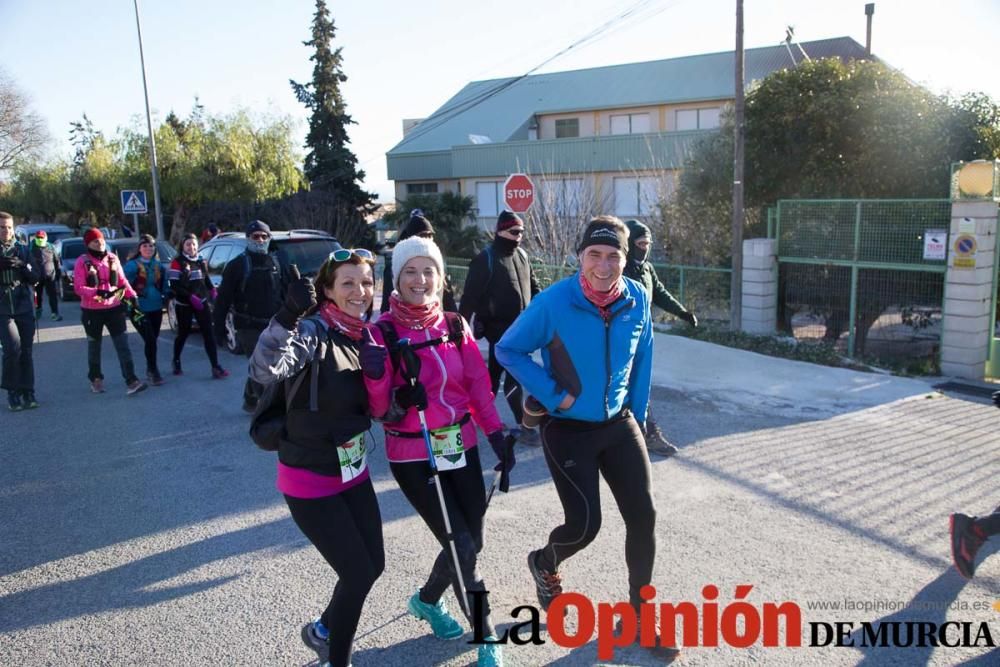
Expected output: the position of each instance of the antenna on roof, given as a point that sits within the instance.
(789, 40)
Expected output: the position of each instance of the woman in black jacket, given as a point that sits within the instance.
(322, 462)
(193, 292)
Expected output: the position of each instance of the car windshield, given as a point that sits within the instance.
(307, 254)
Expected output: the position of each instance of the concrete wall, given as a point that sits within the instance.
(760, 286)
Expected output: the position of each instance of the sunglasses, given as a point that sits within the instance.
(515, 232)
(260, 236)
(344, 254)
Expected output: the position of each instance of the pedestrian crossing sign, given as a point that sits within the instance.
(134, 201)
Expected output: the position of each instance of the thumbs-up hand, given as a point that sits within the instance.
(372, 356)
(299, 298)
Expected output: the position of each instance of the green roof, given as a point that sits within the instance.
(501, 108)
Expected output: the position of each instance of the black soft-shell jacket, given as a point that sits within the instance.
(340, 412)
(256, 303)
(17, 294)
(645, 275)
(497, 295)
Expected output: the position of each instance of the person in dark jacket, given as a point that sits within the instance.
(253, 285)
(641, 271)
(17, 322)
(147, 277)
(43, 257)
(322, 455)
(499, 286)
(420, 226)
(193, 294)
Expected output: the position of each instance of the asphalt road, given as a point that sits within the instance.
(147, 530)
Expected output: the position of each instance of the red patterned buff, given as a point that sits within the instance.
(348, 325)
(601, 299)
(414, 317)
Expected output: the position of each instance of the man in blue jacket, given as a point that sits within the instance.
(596, 339)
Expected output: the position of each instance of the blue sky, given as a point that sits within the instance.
(404, 59)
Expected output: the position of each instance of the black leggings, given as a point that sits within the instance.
(17, 333)
(347, 531)
(511, 387)
(204, 319)
(150, 332)
(579, 453)
(465, 496)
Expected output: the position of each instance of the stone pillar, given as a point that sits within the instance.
(760, 286)
(968, 289)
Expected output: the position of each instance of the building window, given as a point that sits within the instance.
(630, 123)
(636, 196)
(697, 119)
(567, 128)
(421, 188)
(563, 197)
(488, 198)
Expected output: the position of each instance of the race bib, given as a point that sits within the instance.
(353, 458)
(449, 453)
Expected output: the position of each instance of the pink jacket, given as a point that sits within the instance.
(456, 380)
(88, 295)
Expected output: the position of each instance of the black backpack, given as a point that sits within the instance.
(456, 334)
(267, 425)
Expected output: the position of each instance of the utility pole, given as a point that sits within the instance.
(149, 126)
(869, 11)
(736, 284)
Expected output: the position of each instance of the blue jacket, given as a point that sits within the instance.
(608, 366)
(151, 295)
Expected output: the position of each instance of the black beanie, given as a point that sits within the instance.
(603, 232)
(258, 226)
(416, 225)
(508, 219)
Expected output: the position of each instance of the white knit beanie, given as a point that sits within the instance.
(415, 246)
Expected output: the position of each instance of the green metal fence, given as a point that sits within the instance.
(857, 274)
(705, 290)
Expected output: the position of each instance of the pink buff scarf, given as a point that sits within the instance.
(349, 325)
(601, 299)
(414, 317)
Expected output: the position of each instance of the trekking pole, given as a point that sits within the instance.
(411, 368)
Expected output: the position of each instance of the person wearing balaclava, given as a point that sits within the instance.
(640, 270)
(253, 285)
(17, 323)
(417, 225)
(43, 256)
(499, 286)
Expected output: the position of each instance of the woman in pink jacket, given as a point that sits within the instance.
(454, 393)
(100, 282)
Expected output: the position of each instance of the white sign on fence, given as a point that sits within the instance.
(935, 244)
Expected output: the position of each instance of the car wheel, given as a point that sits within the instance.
(172, 315)
(232, 342)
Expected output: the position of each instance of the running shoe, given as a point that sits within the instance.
(14, 401)
(317, 638)
(177, 367)
(490, 655)
(219, 372)
(97, 386)
(656, 442)
(547, 584)
(56, 317)
(135, 386)
(443, 624)
(529, 437)
(28, 400)
(155, 379)
(966, 538)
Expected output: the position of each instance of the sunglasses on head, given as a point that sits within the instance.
(344, 254)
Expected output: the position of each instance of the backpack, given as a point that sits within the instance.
(456, 335)
(275, 273)
(267, 425)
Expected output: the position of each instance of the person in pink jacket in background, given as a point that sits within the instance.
(100, 282)
(453, 390)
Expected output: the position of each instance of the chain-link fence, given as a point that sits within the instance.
(864, 275)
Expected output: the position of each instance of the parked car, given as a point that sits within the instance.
(68, 249)
(54, 232)
(306, 248)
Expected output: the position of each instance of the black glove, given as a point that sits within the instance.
(105, 293)
(503, 447)
(689, 317)
(299, 297)
(412, 396)
(12, 262)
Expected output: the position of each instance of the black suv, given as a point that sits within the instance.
(306, 248)
(69, 249)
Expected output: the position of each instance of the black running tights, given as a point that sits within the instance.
(204, 318)
(578, 454)
(347, 530)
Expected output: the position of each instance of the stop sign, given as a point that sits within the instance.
(518, 193)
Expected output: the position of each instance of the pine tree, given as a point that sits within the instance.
(330, 165)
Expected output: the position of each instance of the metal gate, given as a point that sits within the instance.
(865, 276)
